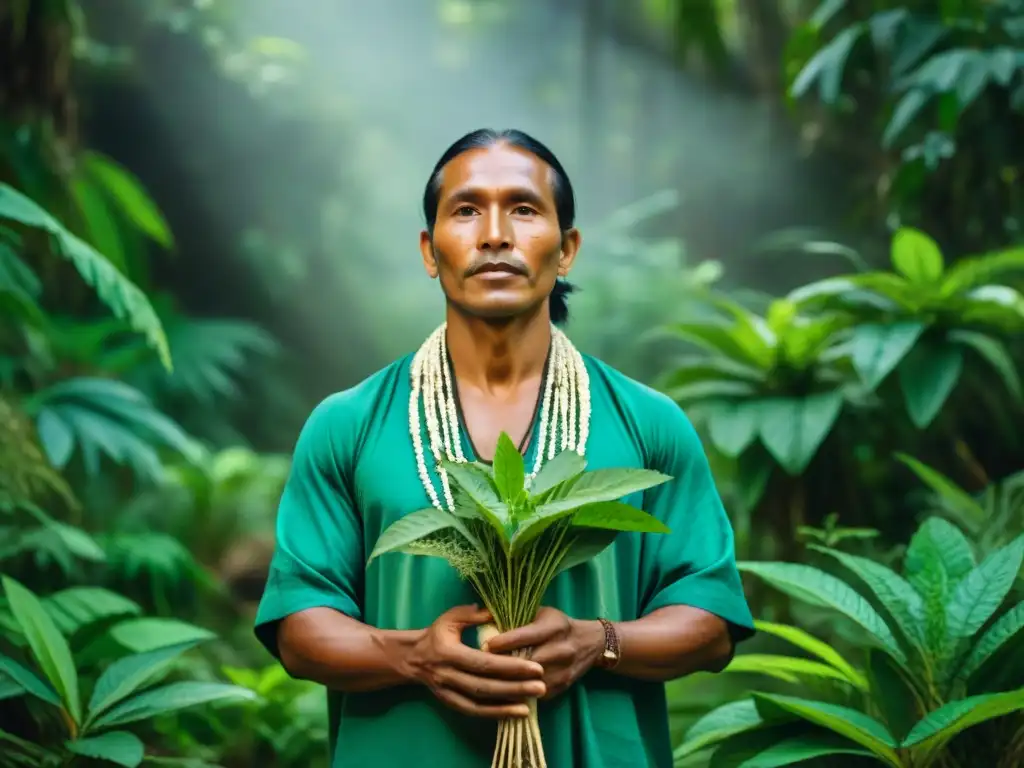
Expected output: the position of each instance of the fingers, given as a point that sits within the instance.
(549, 624)
(489, 665)
(467, 706)
(482, 689)
(466, 616)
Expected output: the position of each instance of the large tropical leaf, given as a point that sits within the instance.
(742, 752)
(792, 429)
(876, 349)
(927, 378)
(605, 485)
(941, 543)
(938, 727)
(149, 633)
(916, 256)
(118, 747)
(813, 645)
(565, 466)
(78, 607)
(27, 681)
(122, 296)
(1002, 631)
(718, 725)
(103, 417)
(129, 195)
(616, 516)
(125, 676)
(49, 648)
(848, 723)
(170, 698)
(789, 669)
(818, 588)
(982, 591)
(412, 527)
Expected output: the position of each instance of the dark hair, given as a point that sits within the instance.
(565, 200)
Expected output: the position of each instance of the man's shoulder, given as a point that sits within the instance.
(642, 400)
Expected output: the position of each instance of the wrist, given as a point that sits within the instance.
(591, 640)
(400, 650)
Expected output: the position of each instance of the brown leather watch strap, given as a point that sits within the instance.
(611, 655)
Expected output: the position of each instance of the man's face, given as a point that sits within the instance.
(497, 247)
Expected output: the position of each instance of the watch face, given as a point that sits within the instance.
(609, 654)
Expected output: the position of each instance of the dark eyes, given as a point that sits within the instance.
(519, 210)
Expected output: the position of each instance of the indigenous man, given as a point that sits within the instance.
(388, 640)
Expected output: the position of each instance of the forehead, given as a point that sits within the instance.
(495, 169)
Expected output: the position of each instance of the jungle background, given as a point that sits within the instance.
(801, 219)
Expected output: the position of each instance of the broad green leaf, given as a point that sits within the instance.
(982, 591)
(616, 516)
(49, 648)
(509, 471)
(587, 543)
(813, 645)
(733, 427)
(480, 488)
(711, 389)
(605, 485)
(170, 698)
(938, 727)
(127, 675)
(28, 681)
(792, 429)
(816, 587)
(876, 350)
(565, 466)
(940, 541)
(410, 528)
(906, 109)
(146, 634)
(927, 378)
(698, 368)
(995, 353)
(892, 590)
(77, 607)
(11, 690)
(786, 668)
(719, 338)
(718, 725)
(828, 65)
(739, 753)
(849, 723)
(118, 747)
(1004, 629)
(122, 296)
(916, 256)
(950, 492)
(130, 196)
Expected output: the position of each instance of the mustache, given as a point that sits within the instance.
(511, 263)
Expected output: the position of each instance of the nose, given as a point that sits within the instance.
(495, 232)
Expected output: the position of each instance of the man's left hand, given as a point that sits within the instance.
(564, 647)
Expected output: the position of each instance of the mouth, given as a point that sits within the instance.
(497, 270)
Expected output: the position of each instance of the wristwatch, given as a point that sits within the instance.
(611, 655)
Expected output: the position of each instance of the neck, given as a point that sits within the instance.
(498, 356)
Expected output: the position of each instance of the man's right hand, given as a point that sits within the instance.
(473, 682)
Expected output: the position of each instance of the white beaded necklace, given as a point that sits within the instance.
(564, 415)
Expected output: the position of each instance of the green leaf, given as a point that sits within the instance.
(481, 489)
(410, 528)
(937, 728)
(170, 698)
(940, 541)
(849, 723)
(616, 516)
(130, 196)
(993, 352)
(732, 427)
(119, 747)
(1002, 631)
(927, 377)
(11, 690)
(28, 681)
(78, 607)
(796, 749)
(950, 492)
(815, 587)
(814, 646)
(121, 295)
(565, 466)
(792, 429)
(875, 350)
(786, 668)
(150, 633)
(605, 485)
(509, 471)
(916, 256)
(718, 725)
(827, 66)
(908, 107)
(125, 676)
(893, 693)
(49, 648)
(982, 591)
(721, 339)
(586, 544)
(893, 592)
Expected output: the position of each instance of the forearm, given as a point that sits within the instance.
(671, 642)
(341, 653)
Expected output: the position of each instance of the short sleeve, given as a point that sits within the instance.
(694, 564)
(318, 554)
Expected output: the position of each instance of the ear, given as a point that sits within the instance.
(571, 242)
(427, 252)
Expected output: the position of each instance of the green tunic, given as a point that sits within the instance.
(354, 474)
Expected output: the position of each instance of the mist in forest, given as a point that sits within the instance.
(384, 87)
